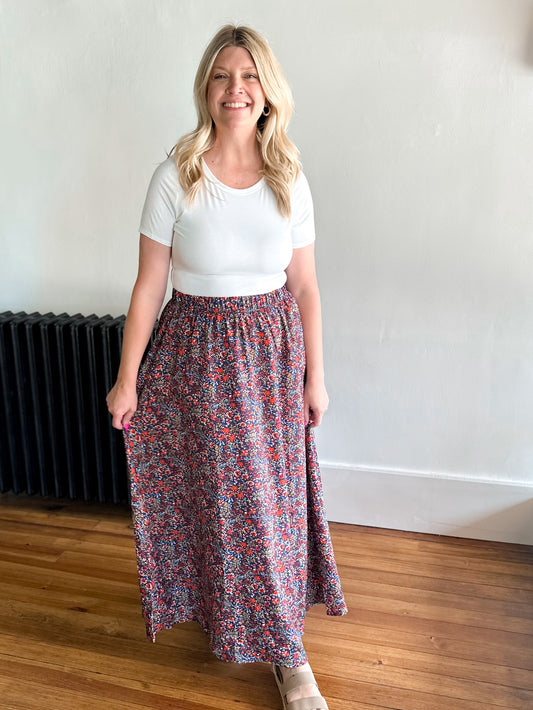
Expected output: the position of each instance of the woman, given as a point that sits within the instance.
(226, 494)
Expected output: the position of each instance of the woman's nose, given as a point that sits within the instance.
(234, 84)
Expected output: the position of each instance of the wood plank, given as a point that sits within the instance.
(424, 568)
(417, 581)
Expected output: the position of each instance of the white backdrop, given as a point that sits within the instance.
(414, 122)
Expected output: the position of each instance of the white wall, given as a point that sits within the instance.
(414, 122)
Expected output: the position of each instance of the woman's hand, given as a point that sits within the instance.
(122, 404)
(316, 401)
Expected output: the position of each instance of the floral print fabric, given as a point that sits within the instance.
(229, 519)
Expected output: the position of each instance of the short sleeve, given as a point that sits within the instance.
(302, 213)
(160, 209)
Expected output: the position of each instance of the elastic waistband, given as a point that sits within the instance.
(223, 303)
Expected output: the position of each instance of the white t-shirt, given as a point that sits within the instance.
(232, 242)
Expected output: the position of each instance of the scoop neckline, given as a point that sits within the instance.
(236, 190)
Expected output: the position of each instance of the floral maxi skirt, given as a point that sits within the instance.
(226, 494)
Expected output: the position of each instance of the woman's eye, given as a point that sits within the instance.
(221, 76)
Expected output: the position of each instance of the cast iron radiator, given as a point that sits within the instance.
(56, 437)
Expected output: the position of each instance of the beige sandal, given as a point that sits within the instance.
(315, 702)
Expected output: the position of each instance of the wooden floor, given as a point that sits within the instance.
(434, 623)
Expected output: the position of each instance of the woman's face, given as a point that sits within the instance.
(234, 80)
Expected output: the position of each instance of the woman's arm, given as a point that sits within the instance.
(146, 301)
(302, 283)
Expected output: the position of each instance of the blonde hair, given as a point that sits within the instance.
(280, 156)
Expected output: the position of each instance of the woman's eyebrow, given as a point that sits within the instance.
(243, 68)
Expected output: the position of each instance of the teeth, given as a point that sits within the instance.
(235, 105)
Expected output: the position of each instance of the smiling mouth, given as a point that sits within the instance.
(235, 104)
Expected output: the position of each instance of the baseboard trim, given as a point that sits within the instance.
(441, 504)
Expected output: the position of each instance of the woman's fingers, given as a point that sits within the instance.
(121, 419)
(315, 419)
(122, 405)
(127, 418)
(316, 402)
(118, 419)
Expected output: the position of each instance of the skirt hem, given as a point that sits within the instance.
(266, 656)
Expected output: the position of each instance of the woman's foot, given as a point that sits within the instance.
(302, 691)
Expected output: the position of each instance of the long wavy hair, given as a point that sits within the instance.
(281, 158)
